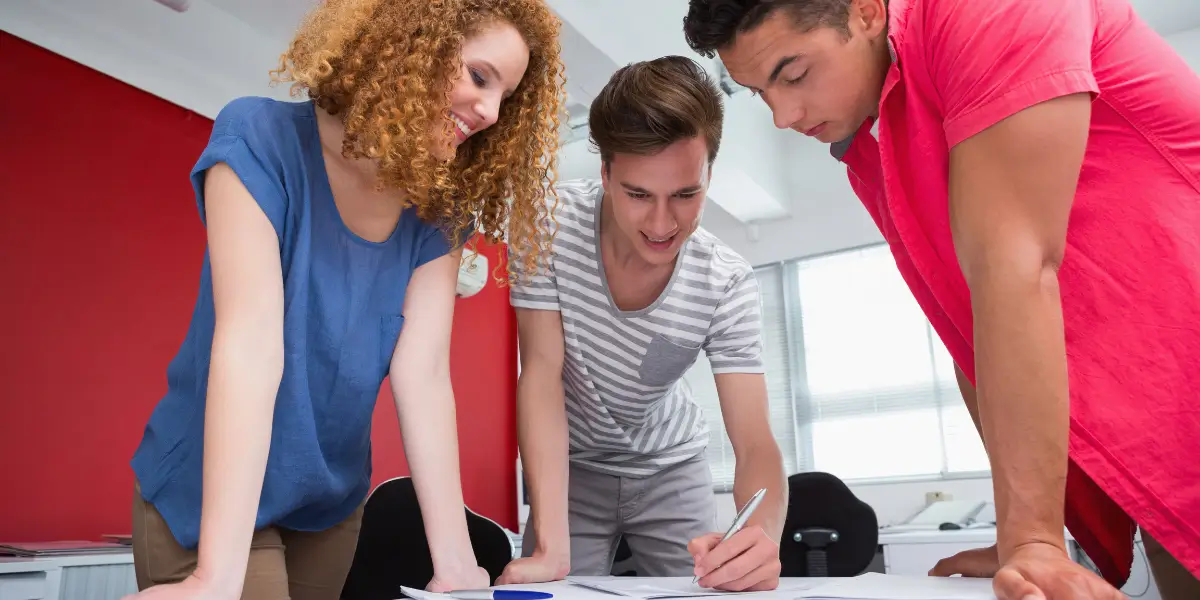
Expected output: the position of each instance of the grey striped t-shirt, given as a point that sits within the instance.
(629, 412)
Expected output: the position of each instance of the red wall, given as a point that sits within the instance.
(100, 251)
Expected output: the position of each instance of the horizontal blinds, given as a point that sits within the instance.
(858, 383)
(880, 388)
(776, 359)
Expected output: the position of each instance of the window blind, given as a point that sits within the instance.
(858, 383)
(880, 384)
(778, 361)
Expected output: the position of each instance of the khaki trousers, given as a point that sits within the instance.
(283, 564)
(1173, 581)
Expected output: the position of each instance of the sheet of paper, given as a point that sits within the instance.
(422, 594)
(875, 586)
(645, 588)
(870, 586)
(666, 588)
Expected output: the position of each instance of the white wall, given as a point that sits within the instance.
(577, 161)
(199, 59)
(1187, 44)
(825, 215)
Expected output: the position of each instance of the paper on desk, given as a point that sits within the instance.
(666, 588)
(422, 594)
(876, 586)
(645, 588)
(870, 586)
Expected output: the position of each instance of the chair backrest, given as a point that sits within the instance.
(819, 502)
(623, 563)
(393, 550)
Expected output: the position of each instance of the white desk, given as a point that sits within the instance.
(916, 552)
(106, 576)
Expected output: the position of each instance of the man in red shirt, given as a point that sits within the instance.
(1037, 177)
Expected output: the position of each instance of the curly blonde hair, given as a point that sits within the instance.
(386, 67)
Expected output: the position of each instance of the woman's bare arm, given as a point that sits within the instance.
(244, 376)
(420, 379)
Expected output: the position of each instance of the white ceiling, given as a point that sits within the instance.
(654, 31)
(275, 18)
(1169, 16)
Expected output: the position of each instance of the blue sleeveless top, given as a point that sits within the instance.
(343, 297)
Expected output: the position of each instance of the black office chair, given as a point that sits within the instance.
(393, 551)
(623, 565)
(828, 531)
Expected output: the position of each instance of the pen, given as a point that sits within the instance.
(740, 520)
(498, 595)
(485, 594)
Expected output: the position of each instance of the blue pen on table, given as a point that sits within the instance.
(483, 594)
(740, 520)
(499, 595)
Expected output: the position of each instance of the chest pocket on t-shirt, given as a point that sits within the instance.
(666, 361)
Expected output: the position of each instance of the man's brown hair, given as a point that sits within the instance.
(647, 106)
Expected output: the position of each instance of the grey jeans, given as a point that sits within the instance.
(657, 516)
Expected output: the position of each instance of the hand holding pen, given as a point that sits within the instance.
(743, 559)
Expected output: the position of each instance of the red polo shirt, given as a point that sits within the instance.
(1130, 279)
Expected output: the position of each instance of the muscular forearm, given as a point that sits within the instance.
(542, 435)
(762, 467)
(425, 405)
(1021, 379)
(244, 376)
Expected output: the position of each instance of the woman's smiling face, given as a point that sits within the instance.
(494, 60)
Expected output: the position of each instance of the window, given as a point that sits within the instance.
(777, 356)
(859, 384)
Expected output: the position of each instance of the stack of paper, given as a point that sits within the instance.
(40, 549)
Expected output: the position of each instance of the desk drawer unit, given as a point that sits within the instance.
(108, 577)
(97, 582)
(23, 586)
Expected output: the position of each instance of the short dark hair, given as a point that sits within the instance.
(647, 106)
(712, 24)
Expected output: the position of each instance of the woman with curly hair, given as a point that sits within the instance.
(335, 231)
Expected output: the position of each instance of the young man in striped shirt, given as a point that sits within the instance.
(612, 443)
